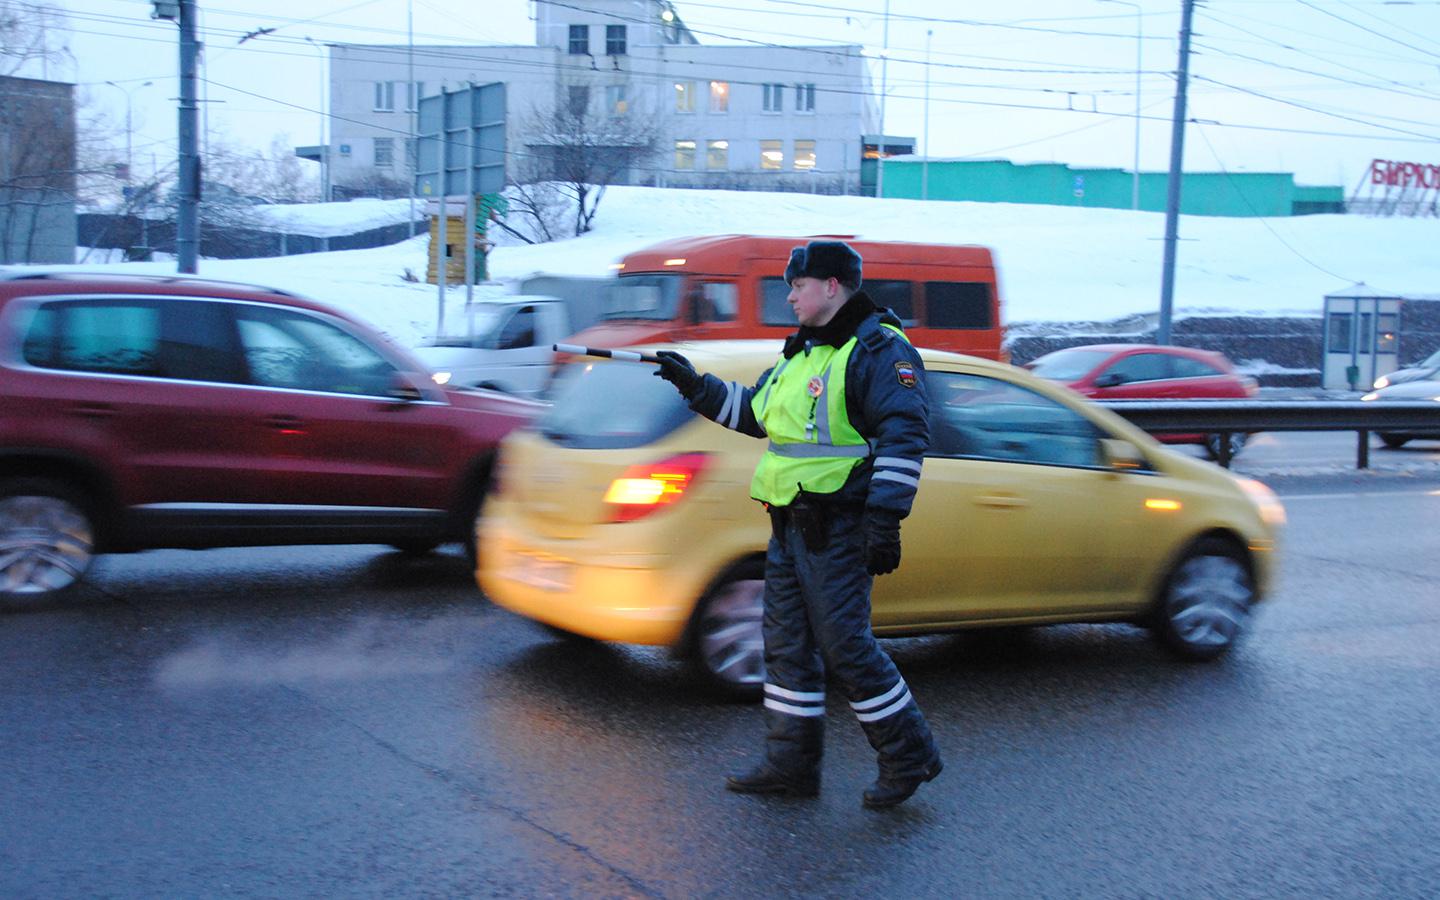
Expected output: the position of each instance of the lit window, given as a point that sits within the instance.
(805, 154)
(684, 154)
(772, 155)
(719, 96)
(615, 99)
(684, 96)
(805, 97)
(717, 154)
(774, 100)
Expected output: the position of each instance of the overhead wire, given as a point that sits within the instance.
(1230, 179)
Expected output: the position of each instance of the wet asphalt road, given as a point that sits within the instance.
(352, 722)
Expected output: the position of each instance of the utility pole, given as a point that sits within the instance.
(884, 68)
(187, 230)
(1177, 170)
(925, 160)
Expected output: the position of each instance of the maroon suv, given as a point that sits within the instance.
(140, 412)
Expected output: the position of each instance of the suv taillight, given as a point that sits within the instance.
(646, 488)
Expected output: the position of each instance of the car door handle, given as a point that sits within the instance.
(1001, 501)
(93, 410)
(284, 423)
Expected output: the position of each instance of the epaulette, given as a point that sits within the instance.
(872, 334)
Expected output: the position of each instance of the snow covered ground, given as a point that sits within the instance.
(1057, 264)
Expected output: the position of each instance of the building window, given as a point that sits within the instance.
(719, 96)
(579, 40)
(772, 155)
(414, 90)
(384, 96)
(384, 153)
(804, 155)
(579, 99)
(805, 97)
(684, 96)
(411, 146)
(614, 40)
(684, 154)
(615, 99)
(717, 154)
(774, 98)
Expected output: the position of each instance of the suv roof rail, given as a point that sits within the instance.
(12, 274)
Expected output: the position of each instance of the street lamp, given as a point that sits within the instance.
(323, 148)
(1139, 44)
(128, 92)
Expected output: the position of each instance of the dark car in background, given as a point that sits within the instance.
(1150, 372)
(141, 412)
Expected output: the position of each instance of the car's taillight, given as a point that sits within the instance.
(1252, 387)
(646, 488)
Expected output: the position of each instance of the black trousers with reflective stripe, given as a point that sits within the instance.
(817, 621)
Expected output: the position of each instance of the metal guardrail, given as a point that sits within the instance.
(1229, 416)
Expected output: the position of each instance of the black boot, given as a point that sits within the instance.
(764, 779)
(888, 791)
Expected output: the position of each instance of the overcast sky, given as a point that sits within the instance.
(1314, 87)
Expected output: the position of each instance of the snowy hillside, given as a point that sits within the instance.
(1057, 264)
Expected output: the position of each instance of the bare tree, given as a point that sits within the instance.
(578, 153)
(30, 33)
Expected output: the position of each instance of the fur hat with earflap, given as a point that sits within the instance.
(825, 259)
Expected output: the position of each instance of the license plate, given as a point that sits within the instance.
(543, 572)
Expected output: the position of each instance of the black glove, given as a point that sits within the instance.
(677, 370)
(882, 543)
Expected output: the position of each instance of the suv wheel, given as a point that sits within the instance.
(47, 539)
(1205, 603)
(727, 646)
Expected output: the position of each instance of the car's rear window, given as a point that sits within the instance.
(606, 405)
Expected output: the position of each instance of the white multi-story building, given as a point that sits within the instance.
(756, 117)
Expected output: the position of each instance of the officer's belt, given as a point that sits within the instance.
(815, 451)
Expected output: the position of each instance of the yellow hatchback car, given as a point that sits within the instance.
(621, 515)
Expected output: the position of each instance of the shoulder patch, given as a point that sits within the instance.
(905, 374)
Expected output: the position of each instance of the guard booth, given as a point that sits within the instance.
(1361, 337)
(447, 240)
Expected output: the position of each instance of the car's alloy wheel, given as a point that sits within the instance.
(729, 648)
(1237, 443)
(47, 540)
(1206, 602)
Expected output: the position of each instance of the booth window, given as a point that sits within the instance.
(1339, 333)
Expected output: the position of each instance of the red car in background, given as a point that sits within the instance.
(1150, 372)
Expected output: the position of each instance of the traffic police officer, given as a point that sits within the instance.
(844, 410)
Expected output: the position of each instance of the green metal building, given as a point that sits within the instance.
(1056, 184)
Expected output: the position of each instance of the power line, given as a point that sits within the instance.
(1307, 3)
(1379, 86)
(1262, 219)
(1318, 111)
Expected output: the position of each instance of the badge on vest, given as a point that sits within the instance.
(905, 372)
(816, 386)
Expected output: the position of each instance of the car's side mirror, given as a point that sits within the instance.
(1110, 379)
(403, 389)
(1122, 455)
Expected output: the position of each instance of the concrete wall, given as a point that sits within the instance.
(37, 171)
(1201, 193)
